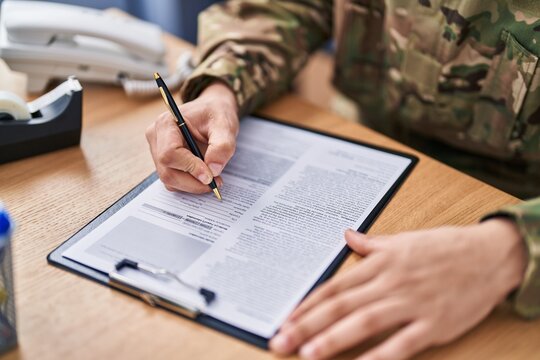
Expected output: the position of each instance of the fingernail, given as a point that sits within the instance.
(308, 351)
(279, 343)
(285, 326)
(355, 233)
(350, 233)
(205, 179)
(216, 169)
(219, 183)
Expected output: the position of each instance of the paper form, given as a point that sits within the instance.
(288, 197)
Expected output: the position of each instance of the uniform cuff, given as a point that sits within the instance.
(222, 68)
(526, 299)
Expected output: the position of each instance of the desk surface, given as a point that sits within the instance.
(61, 315)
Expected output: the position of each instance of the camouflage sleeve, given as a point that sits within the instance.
(256, 47)
(526, 299)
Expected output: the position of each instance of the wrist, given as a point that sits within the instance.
(220, 91)
(503, 234)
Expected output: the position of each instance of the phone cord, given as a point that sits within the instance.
(183, 69)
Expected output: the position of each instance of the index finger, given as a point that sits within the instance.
(364, 271)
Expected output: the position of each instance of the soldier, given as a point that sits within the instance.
(458, 79)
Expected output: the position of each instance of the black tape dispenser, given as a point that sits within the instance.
(51, 122)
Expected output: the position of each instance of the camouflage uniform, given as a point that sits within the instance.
(459, 79)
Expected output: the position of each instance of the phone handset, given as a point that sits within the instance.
(48, 41)
(27, 24)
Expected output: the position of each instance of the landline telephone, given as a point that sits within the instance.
(53, 41)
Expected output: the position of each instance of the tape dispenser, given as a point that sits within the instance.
(51, 122)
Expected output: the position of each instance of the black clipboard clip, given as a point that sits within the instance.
(124, 283)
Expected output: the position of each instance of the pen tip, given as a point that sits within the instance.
(218, 195)
(156, 76)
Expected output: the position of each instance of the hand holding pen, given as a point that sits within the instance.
(213, 120)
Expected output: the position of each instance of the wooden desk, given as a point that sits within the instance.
(63, 316)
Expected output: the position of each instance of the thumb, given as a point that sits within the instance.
(221, 147)
(359, 243)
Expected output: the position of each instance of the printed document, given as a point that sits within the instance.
(288, 197)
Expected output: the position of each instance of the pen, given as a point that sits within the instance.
(171, 104)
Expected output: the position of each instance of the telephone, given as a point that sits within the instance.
(53, 41)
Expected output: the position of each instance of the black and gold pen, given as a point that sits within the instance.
(171, 104)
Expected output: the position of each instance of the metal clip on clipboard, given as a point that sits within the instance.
(122, 282)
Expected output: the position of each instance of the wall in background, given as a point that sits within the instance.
(175, 16)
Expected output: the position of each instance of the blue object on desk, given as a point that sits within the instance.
(5, 224)
(8, 332)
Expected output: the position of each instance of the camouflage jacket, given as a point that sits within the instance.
(465, 73)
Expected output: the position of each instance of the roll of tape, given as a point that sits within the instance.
(13, 107)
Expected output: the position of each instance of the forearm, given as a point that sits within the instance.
(256, 47)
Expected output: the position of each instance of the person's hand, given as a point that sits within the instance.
(432, 286)
(213, 121)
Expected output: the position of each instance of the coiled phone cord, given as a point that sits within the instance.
(183, 70)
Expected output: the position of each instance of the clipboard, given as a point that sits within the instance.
(115, 279)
